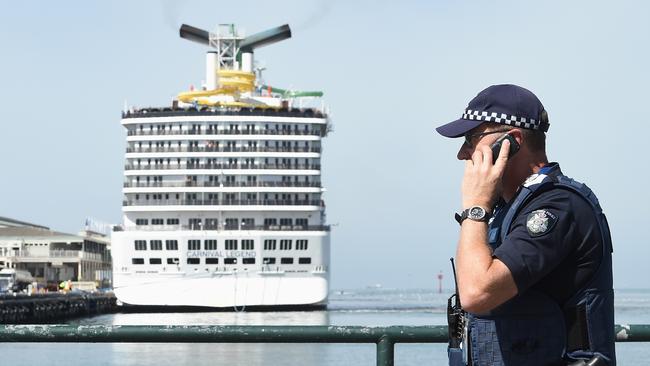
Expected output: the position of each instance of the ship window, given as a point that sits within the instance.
(211, 244)
(193, 245)
(230, 261)
(157, 221)
(247, 245)
(269, 260)
(195, 224)
(286, 260)
(301, 222)
(172, 221)
(141, 221)
(171, 244)
(212, 224)
(304, 260)
(155, 261)
(270, 222)
(285, 244)
(248, 223)
(248, 260)
(211, 260)
(285, 222)
(172, 261)
(137, 260)
(156, 244)
(232, 224)
(269, 244)
(231, 244)
(301, 244)
(140, 245)
(193, 260)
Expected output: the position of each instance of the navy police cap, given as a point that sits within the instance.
(505, 104)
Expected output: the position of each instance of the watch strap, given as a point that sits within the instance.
(459, 218)
(463, 215)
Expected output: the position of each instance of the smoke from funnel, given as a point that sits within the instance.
(322, 10)
(170, 11)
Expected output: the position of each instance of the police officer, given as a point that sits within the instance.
(534, 254)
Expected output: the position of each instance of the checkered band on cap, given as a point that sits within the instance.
(503, 118)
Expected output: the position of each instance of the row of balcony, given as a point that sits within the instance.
(222, 166)
(221, 149)
(55, 254)
(219, 184)
(217, 202)
(143, 132)
(226, 227)
(205, 111)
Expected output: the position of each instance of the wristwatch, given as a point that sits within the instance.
(476, 213)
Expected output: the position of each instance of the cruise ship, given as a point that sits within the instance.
(223, 203)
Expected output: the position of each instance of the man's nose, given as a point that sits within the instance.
(464, 152)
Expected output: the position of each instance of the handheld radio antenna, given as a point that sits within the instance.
(453, 269)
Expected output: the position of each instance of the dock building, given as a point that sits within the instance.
(52, 256)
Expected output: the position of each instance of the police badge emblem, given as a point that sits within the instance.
(540, 222)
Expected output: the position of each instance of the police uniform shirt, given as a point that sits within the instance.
(554, 243)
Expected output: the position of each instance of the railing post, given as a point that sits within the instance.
(385, 351)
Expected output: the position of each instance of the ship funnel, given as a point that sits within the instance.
(234, 53)
(195, 34)
(267, 37)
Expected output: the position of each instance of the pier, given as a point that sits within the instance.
(53, 307)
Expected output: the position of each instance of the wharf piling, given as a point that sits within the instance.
(53, 308)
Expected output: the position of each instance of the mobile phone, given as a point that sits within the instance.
(496, 147)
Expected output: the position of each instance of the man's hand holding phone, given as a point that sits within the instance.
(496, 146)
(483, 173)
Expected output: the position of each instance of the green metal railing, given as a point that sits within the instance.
(384, 337)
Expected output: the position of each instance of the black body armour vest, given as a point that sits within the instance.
(532, 328)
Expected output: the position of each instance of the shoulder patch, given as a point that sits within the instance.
(540, 222)
(534, 179)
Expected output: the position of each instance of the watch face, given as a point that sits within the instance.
(476, 213)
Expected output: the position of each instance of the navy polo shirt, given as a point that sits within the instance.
(561, 260)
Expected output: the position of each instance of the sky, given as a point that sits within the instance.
(391, 72)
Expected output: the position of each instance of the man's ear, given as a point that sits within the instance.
(517, 134)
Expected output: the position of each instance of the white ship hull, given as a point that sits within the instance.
(221, 285)
(221, 290)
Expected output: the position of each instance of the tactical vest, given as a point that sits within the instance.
(532, 328)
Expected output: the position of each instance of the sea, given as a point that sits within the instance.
(362, 307)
